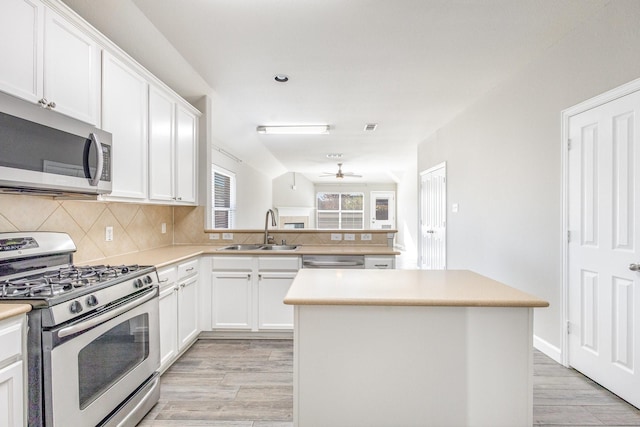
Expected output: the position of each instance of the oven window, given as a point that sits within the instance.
(111, 356)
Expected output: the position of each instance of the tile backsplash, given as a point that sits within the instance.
(136, 227)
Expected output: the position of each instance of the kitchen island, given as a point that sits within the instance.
(411, 348)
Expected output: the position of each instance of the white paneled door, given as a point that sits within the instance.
(383, 210)
(603, 254)
(433, 218)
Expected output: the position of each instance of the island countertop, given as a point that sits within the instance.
(405, 288)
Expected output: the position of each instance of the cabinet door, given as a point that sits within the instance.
(71, 69)
(231, 300)
(11, 395)
(187, 311)
(186, 166)
(161, 146)
(21, 44)
(124, 114)
(272, 312)
(379, 262)
(168, 325)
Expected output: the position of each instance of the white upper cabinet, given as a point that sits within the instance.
(71, 70)
(161, 145)
(125, 115)
(172, 149)
(48, 60)
(21, 48)
(186, 165)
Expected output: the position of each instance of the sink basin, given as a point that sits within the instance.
(279, 247)
(241, 247)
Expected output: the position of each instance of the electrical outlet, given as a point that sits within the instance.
(163, 228)
(336, 236)
(108, 233)
(365, 236)
(214, 236)
(227, 236)
(349, 236)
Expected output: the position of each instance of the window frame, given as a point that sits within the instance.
(231, 209)
(340, 211)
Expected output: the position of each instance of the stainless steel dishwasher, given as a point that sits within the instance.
(333, 261)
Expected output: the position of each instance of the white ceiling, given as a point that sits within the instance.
(408, 65)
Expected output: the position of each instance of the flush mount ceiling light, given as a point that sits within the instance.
(281, 78)
(294, 130)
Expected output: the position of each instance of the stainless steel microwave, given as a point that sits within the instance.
(42, 152)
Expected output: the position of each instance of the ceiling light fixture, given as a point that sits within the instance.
(281, 78)
(294, 130)
(334, 156)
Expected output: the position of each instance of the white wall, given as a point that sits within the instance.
(303, 195)
(407, 216)
(503, 160)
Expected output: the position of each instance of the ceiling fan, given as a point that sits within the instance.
(341, 174)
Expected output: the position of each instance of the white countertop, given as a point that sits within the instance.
(167, 255)
(404, 288)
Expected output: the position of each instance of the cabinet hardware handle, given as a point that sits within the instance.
(164, 280)
(634, 267)
(182, 285)
(190, 269)
(381, 265)
(51, 105)
(43, 102)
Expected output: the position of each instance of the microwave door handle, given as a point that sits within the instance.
(100, 159)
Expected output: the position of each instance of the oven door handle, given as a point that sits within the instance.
(95, 321)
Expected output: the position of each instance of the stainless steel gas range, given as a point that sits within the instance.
(93, 340)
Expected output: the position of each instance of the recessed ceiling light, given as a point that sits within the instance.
(294, 130)
(281, 78)
(334, 156)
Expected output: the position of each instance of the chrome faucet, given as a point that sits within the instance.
(266, 225)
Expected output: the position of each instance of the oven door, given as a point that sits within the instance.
(94, 364)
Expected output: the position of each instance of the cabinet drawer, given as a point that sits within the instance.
(379, 262)
(187, 269)
(232, 263)
(10, 338)
(279, 263)
(167, 276)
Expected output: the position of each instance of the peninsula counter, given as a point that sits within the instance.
(411, 348)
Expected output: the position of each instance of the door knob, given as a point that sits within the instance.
(634, 267)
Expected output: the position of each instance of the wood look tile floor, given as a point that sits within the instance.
(249, 383)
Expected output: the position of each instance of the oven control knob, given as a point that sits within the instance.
(138, 283)
(75, 307)
(147, 279)
(92, 301)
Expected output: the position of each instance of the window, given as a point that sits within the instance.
(223, 198)
(340, 211)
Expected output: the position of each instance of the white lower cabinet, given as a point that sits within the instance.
(247, 292)
(178, 310)
(380, 262)
(12, 374)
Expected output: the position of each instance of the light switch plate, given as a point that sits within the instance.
(336, 236)
(108, 233)
(214, 236)
(365, 236)
(349, 236)
(163, 228)
(454, 208)
(227, 236)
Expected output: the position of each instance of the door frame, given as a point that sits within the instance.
(565, 116)
(442, 165)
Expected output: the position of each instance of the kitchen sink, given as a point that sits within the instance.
(257, 247)
(241, 247)
(279, 247)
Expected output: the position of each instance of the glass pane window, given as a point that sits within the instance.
(340, 211)
(382, 209)
(223, 198)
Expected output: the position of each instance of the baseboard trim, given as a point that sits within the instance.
(246, 335)
(547, 348)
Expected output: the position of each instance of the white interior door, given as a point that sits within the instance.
(433, 218)
(604, 298)
(383, 210)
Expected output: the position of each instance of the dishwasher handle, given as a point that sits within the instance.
(332, 264)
